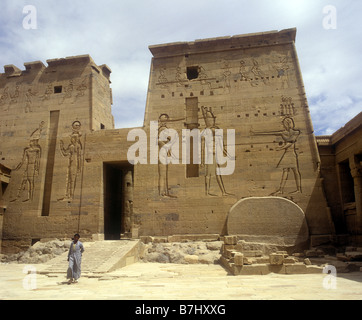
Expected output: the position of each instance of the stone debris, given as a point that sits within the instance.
(242, 258)
(351, 254)
(40, 252)
(183, 252)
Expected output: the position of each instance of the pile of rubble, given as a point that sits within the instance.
(40, 252)
(192, 252)
(243, 258)
(350, 260)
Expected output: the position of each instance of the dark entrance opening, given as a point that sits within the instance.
(118, 181)
(192, 73)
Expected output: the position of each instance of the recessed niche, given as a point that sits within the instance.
(192, 73)
(58, 89)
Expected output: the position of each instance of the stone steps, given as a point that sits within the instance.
(98, 257)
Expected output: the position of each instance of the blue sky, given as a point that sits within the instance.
(118, 33)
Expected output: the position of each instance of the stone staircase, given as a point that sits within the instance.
(99, 257)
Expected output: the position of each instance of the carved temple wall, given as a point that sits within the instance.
(70, 169)
(46, 114)
(252, 84)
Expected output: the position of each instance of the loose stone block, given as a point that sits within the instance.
(146, 239)
(253, 253)
(258, 269)
(229, 253)
(313, 253)
(231, 240)
(239, 259)
(191, 259)
(302, 269)
(276, 259)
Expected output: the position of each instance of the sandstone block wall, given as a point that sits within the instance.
(253, 85)
(47, 112)
(341, 169)
(70, 169)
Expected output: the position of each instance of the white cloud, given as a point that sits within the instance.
(118, 34)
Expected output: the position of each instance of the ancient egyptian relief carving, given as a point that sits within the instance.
(68, 91)
(14, 97)
(180, 77)
(244, 73)
(81, 89)
(28, 97)
(252, 73)
(204, 79)
(226, 75)
(48, 92)
(74, 154)
(31, 163)
(287, 107)
(164, 153)
(4, 97)
(208, 148)
(281, 67)
(258, 74)
(289, 159)
(162, 80)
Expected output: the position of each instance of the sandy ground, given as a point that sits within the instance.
(154, 281)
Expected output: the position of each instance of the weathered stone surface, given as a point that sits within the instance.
(214, 245)
(251, 84)
(313, 253)
(239, 259)
(269, 219)
(252, 253)
(276, 259)
(40, 252)
(191, 259)
(182, 252)
(302, 269)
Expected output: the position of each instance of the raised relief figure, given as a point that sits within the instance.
(28, 96)
(244, 73)
(282, 68)
(289, 159)
(165, 152)
(68, 91)
(81, 89)
(14, 97)
(180, 77)
(208, 153)
(226, 75)
(48, 92)
(74, 154)
(31, 163)
(162, 80)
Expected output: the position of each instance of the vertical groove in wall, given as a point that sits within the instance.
(192, 119)
(52, 142)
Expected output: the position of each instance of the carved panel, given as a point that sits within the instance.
(31, 165)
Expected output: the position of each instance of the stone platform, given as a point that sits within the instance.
(99, 257)
(242, 258)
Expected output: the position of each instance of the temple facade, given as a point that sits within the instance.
(226, 120)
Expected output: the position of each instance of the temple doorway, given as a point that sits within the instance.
(118, 199)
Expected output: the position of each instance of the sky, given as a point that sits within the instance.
(118, 33)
